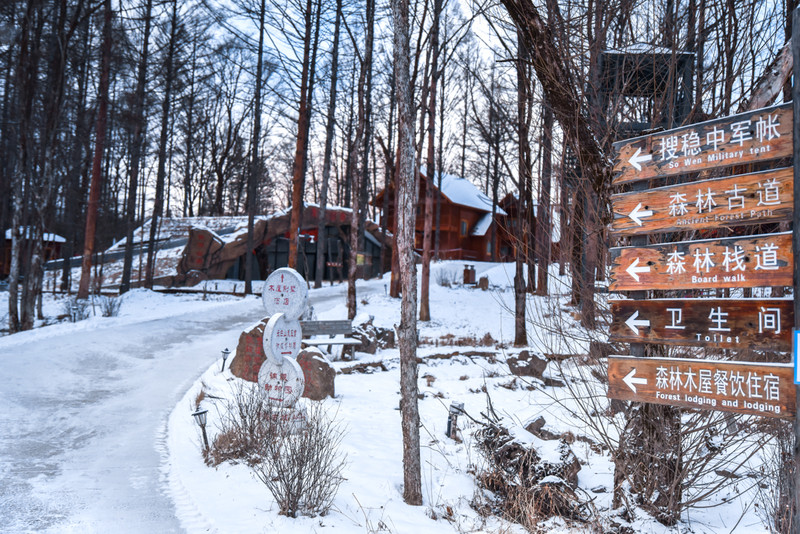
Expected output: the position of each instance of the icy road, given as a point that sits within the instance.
(83, 411)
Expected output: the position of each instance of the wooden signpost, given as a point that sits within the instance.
(751, 261)
(748, 199)
(755, 136)
(741, 387)
(754, 261)
(763, 324)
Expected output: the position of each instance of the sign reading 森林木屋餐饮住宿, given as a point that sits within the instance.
(742, 387)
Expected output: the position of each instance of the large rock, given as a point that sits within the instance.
(318, 372)
(527, 364)
(250, 352)
(373, 337)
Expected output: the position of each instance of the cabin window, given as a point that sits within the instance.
(463, 227)
(489, 247)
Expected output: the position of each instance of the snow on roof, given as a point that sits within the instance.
(482, 226)
(178, 227)
(464, 193)
(645, 48)
(48, 237)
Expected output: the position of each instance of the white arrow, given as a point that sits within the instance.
(634, 271)
(631, 381)
(637, 214)
(638, 158)
(634, 323)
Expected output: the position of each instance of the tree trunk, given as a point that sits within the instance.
(326, 161)
(136, 152)
(406, 220)
(255, 164)
(543, 215)
(97, 177)
(524, 164)
(430, 171)
(298, 175)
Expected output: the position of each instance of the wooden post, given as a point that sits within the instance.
(795, 529)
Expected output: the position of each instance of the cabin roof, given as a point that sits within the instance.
(463, 192)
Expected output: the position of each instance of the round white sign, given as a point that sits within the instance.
(282, 338)
(283, 383)
(286, 292)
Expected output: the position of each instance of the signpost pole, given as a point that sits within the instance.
(796, 253)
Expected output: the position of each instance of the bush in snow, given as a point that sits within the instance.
(446, 278)
(301, 462)
(109, 306)
(298, 460)
(75, 309)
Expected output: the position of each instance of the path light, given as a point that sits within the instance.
(200, 418)
(225, 354)
(456, 408)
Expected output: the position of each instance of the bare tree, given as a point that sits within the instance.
(406, 220)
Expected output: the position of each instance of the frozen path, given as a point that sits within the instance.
(83, 411)
(83, 415)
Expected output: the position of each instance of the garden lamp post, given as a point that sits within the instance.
(200, 418)
(456, 408)
(225, 354)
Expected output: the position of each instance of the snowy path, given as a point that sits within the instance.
(83, 415)
(83, 412)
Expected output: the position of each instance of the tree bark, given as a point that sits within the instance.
(406, 220)
(543, 215)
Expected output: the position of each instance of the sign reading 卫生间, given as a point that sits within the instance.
(753, 261)
(755, 136)
(763, 324)
(740, 387)
(747, 199)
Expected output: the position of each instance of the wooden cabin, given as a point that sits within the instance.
(466, 223)
(52, 249)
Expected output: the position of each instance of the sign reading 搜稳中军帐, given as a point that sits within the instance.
(751, 137)
(752, 261)
(740, 387)
(763, 324)
(743, 200)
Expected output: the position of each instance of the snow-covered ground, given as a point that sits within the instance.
(96, 433)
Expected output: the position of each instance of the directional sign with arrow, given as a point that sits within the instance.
(756, 198)
(753, 261)
(742, 387)
(631, 380)
(761, 135)
(760, 324)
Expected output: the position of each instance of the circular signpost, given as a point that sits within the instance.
(282, 338)
(283, 383)
(286, 292)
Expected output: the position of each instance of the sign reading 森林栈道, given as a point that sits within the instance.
(761, 135)
(752, 261)
(741, 387)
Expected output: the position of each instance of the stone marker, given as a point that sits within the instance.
(318, 372)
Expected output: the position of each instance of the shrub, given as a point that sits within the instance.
(109, 306)
(301, 463)
(75, 309)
